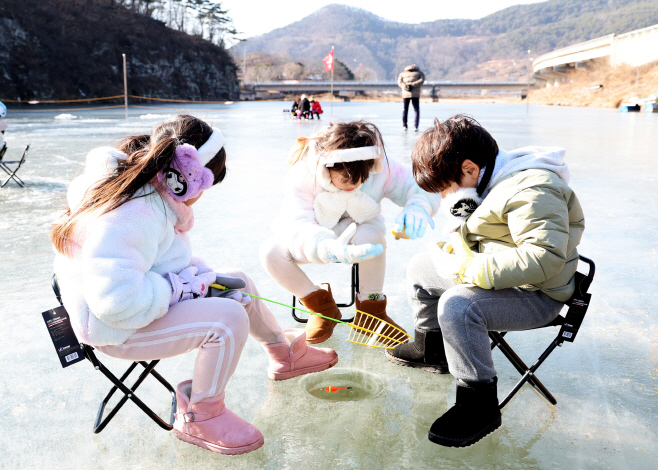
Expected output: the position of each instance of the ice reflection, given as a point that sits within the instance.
(606, 383)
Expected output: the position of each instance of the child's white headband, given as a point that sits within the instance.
(208, 150)
(351, 155)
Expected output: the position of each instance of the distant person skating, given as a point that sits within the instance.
(411, 80)
(305, 107)
(315, 108)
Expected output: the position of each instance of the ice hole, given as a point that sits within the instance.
(342, 385)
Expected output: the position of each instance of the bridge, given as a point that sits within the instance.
(348, 88)
(634, 48)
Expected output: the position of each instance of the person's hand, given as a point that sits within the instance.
(340, 251)
(188, 285)
(231, 284)
(413, 220)
(408, 87)
(469, 267)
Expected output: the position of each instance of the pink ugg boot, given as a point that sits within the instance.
(293, 357)
(208, 424)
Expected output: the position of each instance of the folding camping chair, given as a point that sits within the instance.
(569, 324)
(128, 393)
(354, 288)
(12, 173)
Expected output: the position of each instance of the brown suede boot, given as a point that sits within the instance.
(377, 308)
(319, 329)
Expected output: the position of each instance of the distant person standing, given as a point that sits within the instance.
(411, 80)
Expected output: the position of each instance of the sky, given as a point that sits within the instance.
(256, 17)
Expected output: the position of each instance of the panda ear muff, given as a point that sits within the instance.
(175, 181)
(185, 177)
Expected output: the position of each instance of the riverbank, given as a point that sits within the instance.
(600, 86)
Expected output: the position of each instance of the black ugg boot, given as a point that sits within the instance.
(426, 352)
(474, 415)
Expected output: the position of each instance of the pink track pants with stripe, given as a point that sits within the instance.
(217, 327)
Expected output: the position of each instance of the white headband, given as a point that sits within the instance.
(350, 155)
(208, 150)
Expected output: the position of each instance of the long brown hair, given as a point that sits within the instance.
(338, 136)
(146, 156)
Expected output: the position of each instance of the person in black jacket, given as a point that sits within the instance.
(305, 106)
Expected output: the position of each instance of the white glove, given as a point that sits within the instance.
(187, 285)
(413, 220)
(339, 250)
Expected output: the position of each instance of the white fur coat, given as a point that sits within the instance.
(113, 284)
(313, 208)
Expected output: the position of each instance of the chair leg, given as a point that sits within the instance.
(13, 176)
(354, 290)
(101, 423)
(527, 373)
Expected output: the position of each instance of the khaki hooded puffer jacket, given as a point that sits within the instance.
(411, 76)
(531, 223)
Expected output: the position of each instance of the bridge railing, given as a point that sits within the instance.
(547, 60)
(353, 85)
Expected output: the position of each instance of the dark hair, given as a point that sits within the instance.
(348, 135)
(353, 172)
(146, 156)
(438, 155)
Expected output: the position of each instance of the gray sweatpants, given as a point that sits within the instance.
(466, 314)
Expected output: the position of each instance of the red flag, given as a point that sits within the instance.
(329, 61)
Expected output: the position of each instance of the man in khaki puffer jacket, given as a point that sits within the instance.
(411, 81)
(509, 266)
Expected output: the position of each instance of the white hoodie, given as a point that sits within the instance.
(113, 284)
(455, 205)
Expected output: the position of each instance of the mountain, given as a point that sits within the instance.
(65, 49)
(492, 47)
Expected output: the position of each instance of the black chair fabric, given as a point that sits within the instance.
(570, 325)
(119, 384)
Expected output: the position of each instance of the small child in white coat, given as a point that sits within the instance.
(331, 214)
(134, 291)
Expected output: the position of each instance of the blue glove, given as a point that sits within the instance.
(413, 221)
(340, 251)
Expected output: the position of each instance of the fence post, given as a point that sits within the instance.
(125, 85)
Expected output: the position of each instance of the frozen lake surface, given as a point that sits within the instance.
(606, 382)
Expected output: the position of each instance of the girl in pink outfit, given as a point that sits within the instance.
(134, 291)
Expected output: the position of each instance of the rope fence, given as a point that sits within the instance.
(63, 101)
(82, 100)
(68, 109)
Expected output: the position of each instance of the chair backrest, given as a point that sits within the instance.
(24, 155)
(55, 287)
(3, 150)
(578, 303)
